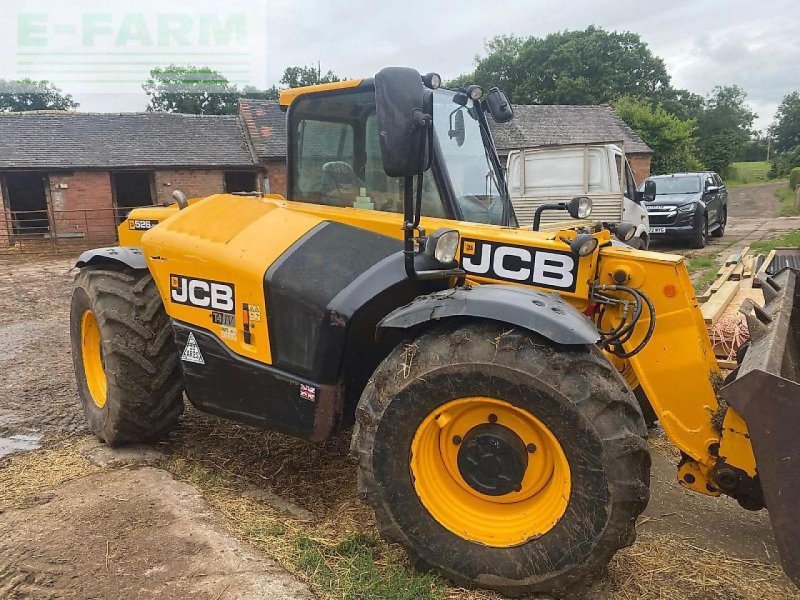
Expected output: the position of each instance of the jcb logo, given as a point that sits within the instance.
(202, 293)
(142, 224)
(518, 264)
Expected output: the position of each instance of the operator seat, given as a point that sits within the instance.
(340, 184)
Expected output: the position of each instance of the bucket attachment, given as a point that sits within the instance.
(766, 393)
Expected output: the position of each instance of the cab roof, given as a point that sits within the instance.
(288, 96)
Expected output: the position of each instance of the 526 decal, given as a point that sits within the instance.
(202, 293)
(519, 264)
(141, 224)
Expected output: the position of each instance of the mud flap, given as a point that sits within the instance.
(767, 395)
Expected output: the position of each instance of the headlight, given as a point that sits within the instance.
(580, 207)
(442, 245)
(584, 208)
(583, 244)
(432, 80)
(624, 231)
(687, 208)
(475, 92)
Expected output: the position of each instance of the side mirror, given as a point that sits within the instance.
(400, 99)
(712, 189)
(499, 105)
(649, 190)
(457, 131)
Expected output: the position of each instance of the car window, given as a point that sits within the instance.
(718, 180)
(682, 184)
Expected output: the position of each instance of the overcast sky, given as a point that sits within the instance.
(100, 52)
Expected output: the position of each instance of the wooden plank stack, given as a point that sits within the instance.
(733, 285)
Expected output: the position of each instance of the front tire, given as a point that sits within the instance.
(126, 363)
(575, 417)
(700, 238)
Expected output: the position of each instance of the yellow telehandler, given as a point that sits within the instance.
(493, 374)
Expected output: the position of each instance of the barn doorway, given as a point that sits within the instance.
(240, 181)
(26, 197)
(131, 189)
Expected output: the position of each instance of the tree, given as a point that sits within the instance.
(571, 67)
(189, 89)
(302, 76)
(20, 95)
(671, 138)
(252, 92)
(724, 126)
(681, 103)
(786, 129)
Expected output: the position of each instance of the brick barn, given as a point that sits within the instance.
(70, 175)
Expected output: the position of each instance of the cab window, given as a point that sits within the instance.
(337, 157)
(325, 162)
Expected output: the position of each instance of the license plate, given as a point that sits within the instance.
(658, 229)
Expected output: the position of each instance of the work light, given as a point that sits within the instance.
(442, 245)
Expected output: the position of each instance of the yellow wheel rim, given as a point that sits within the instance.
(91, 350)
(542, 487)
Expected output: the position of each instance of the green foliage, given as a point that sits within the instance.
(794, 178)
(724, 127)
(203, 91)
(786, 129)
(744, 173)
(20, 95)
(302, 76)
(189, 89)
(351, 570)
(753, 150)
(252, 92)
(570, 67)
(783, 163)
(671, 139)
(786, 198)
(787, 240)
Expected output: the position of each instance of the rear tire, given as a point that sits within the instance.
(573, 391)
(126, 364)
(723, 221)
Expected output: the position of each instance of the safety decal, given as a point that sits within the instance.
(142, 224)
(308, 392)
(550, 269)
(228, 332)
(191, 353)
(203, 293)
(254, 311)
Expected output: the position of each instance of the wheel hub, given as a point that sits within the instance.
(492, 459)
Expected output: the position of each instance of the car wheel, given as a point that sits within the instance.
(723, 221)
(700, 234)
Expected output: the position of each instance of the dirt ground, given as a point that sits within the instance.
(217, 511)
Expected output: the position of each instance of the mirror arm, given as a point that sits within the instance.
(537, 216)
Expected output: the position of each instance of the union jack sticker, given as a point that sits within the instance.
(308, 392)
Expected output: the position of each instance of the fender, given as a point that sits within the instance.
(128, 256)
(537, 311)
